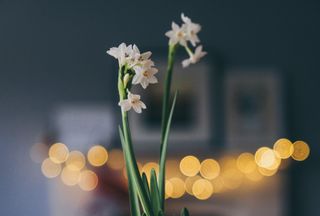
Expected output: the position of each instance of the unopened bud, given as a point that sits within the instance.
(126, 79)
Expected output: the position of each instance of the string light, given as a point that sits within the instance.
(202, 189)
(232, 178)
(210, 169)
(217, 185)
(58, 153)
(50, 169)
(116, 160)
(267, 158)
(76, 161)
(226, 174)
(88, 180)
(190, 166)
(246, 163)
(189, 183)
(97, 156)
(301, 151)
(283, 148)
(168, 189)
(267, 172)
(178, 187)
(70, 177)
(254, 176)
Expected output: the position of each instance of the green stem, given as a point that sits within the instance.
(132, 166)
(165, 113)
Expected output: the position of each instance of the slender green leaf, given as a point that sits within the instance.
(155, 197)
(184, 212)
(160, 213)
(133, 196)
(146, 185)
(163, 155)
(137, 182)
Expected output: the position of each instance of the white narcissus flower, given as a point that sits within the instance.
(121, 53)
(144, 76)
(134, 102)
(177, 35)
(192, 29)
(194, 57)
(137, 58)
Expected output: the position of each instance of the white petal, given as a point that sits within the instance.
(143, 106)
(153, 80)
(113, 52)
(135, 49)
(144, 83)
(174, 26)
(183, 42)
(136, 79)
(146, 55)
(125, 105)
(137, 108)
(186, 63)
(134, 97)
(198, 49)
(169, 33)
(185, 19)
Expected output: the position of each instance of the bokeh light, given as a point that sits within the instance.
(50, 169)
(116, 160)
(283, 148)
(190, 165)
(228, 162)
(178, 187)
(267, 158)
(97, 155)
(58, 152)
(301, 151)
(189, 183)
(202, 189)
(88, 180)
(70, 177)
(267, 172)
(232, 178)
(172, 169)
(168, 189)
(217, 185)
(76, 160)
(254, 176)
(246, 163)
(210, 169)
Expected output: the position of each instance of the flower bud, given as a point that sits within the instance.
(126, 79)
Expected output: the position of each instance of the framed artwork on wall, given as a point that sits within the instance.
(191, 121)
(253, 108)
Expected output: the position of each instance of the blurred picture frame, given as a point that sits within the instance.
(254, 108)
(191, 120)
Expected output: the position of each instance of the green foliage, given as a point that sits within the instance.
(155, 198)
(163, 155)
(184, 212)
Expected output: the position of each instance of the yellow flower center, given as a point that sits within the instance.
(145, 74)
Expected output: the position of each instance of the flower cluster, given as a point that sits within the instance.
(187, 32)
(138, 68)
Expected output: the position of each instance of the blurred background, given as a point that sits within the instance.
(258, 83)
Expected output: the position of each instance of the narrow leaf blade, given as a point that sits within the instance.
(163, 155)
(155, 197)
(184, 212)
